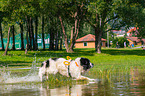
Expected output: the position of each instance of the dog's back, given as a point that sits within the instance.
(52, 66)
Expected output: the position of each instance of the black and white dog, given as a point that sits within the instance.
(73, 69)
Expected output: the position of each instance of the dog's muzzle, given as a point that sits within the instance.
(92, 65)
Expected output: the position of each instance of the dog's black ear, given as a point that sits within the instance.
(42, 64)
(47, 63)
(84, 61)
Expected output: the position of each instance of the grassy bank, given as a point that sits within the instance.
(110, 61)
(108, 57)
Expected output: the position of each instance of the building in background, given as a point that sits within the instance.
(18, 41)
(135, 41)
(88, 41)
(132, 37)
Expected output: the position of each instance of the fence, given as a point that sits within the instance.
(18, 41)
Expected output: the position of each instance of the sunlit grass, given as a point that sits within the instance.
(109, 62)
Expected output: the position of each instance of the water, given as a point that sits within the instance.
(31, 76)
(95, 89)
(115, 83)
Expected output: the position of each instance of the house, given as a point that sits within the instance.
(132, 31)
(119, 33)
(135, 41)
(88, 41)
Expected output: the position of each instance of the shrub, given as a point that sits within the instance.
(120, 41)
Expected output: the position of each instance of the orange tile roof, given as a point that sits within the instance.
(88, 37)
(135, 39)
(133, 29)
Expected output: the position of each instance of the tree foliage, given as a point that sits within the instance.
(120, 41)
(71, 17)
(116, 14)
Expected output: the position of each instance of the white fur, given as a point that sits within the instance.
(59, 66)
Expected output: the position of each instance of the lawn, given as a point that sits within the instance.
(110, 61)
(108, 57)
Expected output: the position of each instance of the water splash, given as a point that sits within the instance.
(31, 76)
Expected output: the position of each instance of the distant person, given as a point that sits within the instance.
(143, 48)
(125, 44)
(132, 45)
(117, 44)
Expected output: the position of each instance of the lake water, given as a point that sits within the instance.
(115, 83)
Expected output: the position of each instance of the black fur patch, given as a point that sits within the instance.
(85, 63)
(42, 64)
(47, 63)
(54, 58)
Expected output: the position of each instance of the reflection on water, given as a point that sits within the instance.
(74, 90)
(119, 83)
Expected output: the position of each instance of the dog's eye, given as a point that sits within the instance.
(86, 62)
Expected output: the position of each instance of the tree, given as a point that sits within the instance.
(102, 12)
(28, 31)
(13, 35)
(72, 13)
(1, 37)
(47, 11)
(8, 9)
(1, 34)
(52, 32)
(30, 11)
(36, 30)
(22, 39)
(120, 41)
(6, 49)
(138, 17)
(43, 32)
(31, 33)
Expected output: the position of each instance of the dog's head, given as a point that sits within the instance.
(85, 64)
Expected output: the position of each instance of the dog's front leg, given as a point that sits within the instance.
(84, 78)
(47, 75)
(41, 73)
(40, 76)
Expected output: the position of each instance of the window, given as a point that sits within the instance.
(85, 43)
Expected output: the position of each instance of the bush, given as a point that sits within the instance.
(120, 41)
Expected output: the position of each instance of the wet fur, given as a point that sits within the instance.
(55, 65)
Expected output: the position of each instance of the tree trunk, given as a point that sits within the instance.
(56, 41)
(32, 32)
(26, 50)
(64, 33)
(77, 27)
(13, 34)
(36, 28)
(98, 35)
(1, 36)
(70, 49)
(27, 45)
(22, 39)
(43, 33)
(74, 33)
(51, 47)
(6, 49)
(60, 46)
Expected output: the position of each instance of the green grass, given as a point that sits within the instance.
(110, 61)
(108, 57)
